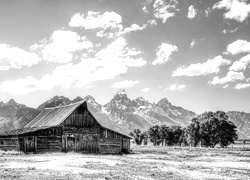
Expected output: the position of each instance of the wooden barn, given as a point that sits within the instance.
(66, 129)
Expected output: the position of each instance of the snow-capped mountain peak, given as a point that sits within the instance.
(121, 92)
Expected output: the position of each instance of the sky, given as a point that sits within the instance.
(195, 53)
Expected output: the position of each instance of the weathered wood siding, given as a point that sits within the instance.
(9, 143)
(49, 144)
(79, 139)
(110, 146)
(80, 143)
(41, 141)
(81, 117)
(110, 141)
(80, 132)
(125, 145)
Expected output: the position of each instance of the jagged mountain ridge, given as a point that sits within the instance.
(140, 113)
(126, 113)
(14, 116)
(241, 120)
(55, 101)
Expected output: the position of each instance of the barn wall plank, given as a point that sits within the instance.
(9, 143)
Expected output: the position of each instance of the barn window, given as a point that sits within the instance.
(1, 142)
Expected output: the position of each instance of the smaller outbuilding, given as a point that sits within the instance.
(65, 129)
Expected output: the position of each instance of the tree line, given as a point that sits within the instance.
(207, 130)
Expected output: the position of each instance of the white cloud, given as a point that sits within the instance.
(238, 10)
(133, 28)
(108, 63)
(209, 67)
(145, 90)
(39, 45)
(108, 24)
(163, 52)
(152, 22)
(67, 76)
(191, 12)
(125, 84)
(62, 46)
(230, 77)
(193, 42)
(164, 10)
(96, 20)
(145, 5)
(118, 52)
(239, 46)
(20, 86)
(77, 20)
(16, 58)
(175, 87)
(226, 86)
(241, 86)
(207, 12)
(241, 65)
(225, 31)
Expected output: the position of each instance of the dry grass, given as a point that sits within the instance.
(146, 162)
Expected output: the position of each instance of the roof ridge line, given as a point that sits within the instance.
(71, 104)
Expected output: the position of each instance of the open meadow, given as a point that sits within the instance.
(146, 162)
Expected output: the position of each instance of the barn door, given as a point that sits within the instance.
(95, 144)
(70, 144)
(29, 144)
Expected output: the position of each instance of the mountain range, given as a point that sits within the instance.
(127, 114)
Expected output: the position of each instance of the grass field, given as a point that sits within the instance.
(146, 162)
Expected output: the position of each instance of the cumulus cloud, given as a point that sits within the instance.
(62, 46)
(163, 52)
(191, 12)
(209, 67)
(119, 52)
(145, 90)
(230, 77)
(237, 10)
(239, 46)
(95, 20)
(241, 86)
(164, 10)
(108, 24)
(67, 76)
(241, 64)
(108, 63)
(16, 58)
(125, 84)
(176, 87)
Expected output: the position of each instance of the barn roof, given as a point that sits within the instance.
(52, 117)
